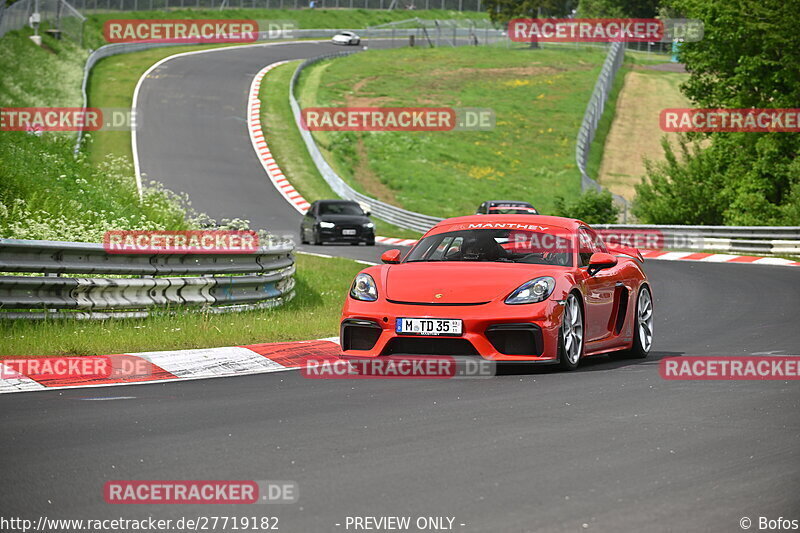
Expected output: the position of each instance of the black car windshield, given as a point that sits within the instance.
(340, 208)
(517, 210)
(496, 245)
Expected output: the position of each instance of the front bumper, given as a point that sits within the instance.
(495, 331)
(336, 234)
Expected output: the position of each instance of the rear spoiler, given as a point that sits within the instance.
(625, 250)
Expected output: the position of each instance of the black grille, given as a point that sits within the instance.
(429, 346)
(359, 334)
(516, 339)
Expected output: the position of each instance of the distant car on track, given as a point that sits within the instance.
(337, 221)
(515, 288)
(346, 38)
(506, 207)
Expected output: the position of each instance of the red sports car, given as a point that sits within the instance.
(519, 288)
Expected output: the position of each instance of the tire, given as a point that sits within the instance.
(303, 239)
(370, 242)
(317, 238)
(642, 325)
(571, 334)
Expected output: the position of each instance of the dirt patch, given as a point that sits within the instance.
(668, 67)
(364, 175)
(496, 72)
(635, 133)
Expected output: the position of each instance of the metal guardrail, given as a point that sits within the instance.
(756, 240)
(594, 110)
(211, 282)
(394, 215)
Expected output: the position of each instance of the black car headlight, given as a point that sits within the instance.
(364, 288)
(533, 291)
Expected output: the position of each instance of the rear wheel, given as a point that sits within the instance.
(570, 338)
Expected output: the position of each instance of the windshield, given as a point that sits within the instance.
(340, 209)
(496, 245)
(517, 210)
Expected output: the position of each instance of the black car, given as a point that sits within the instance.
(337, 221)
(506, 207)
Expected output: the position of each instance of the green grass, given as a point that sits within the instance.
(45, 193)
(314, 313)
(289, 151)
(303, 18)
(539, 97)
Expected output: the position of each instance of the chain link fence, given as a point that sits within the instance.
(597, 103)
(148, 5)
(55, 15)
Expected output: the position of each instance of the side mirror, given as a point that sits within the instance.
(599, 261)
(391, 257)
(367, 212)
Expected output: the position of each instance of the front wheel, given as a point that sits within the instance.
(570, 337)
(317, 237)
(643, 325)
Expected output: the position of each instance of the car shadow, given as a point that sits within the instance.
(590, 364)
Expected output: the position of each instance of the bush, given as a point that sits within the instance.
(591, 207)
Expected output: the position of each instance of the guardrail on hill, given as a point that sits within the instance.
(211, 282)
(394, 215)
(754, 240)
(594, 110)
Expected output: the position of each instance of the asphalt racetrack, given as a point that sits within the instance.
(611, 447)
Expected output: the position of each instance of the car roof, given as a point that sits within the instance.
(337, 202)
(509, 202)
(569, 224)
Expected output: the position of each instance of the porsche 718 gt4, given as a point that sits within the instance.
(519, 288)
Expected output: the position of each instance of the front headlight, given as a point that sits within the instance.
(364, 288)
(369, 225)
(327, 225)
(533, 291)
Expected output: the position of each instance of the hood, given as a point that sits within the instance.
(345, 219)
(458, 283)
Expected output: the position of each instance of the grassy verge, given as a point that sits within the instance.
(303, 18)
(288, 148)
(597, 147)
(45, 193)
(538, 96)
(314, 313)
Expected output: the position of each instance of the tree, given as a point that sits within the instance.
(618, 8)
(749, 57)
(591, 207)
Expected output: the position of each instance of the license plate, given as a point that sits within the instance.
(348, 232)
(428, 326)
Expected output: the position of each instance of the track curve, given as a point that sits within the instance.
(200, 100)
(611, 447)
